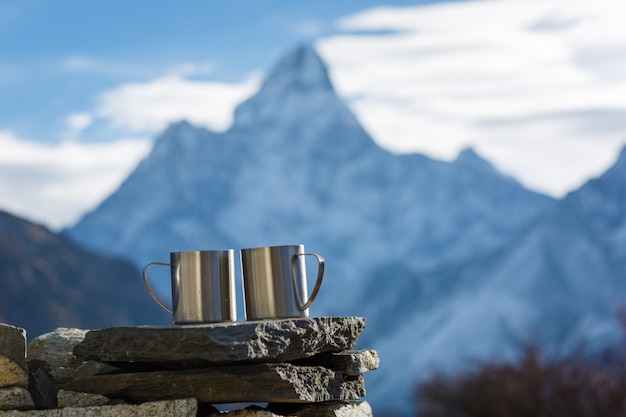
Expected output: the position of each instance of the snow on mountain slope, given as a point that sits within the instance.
(559, 282)
(297, 166)
(398, 231)
(600, 205)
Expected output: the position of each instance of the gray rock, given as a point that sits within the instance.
(251, 412)
(43, 389)
(220, 343)
(64, 374)
(53, 364)
(15, 398)
(228, 384)
(350, 362)
(355, 362)
(13, 369)
(353, 409)
(331, 409)
(80, 399)
(54, 349)
(178, 408)
(91, 368)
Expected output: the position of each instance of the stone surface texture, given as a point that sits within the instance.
(90, 368)
(64, 374)
(302, 367)
(54, 349)
(360, 409)
(221, 343)
(13, 369)
(247, 412)
(15, 398)
(331, 409)
(80, 399)
(355, 362)
(350, 362)
(52, 363)
(43, 389)
(227, 384)
(176, 408)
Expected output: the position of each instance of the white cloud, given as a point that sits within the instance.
(151, 106)
(537, 87)
(55, 184)
(78, 121)
(530, 84)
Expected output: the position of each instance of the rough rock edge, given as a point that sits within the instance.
(13, 356)
(228, 384)
(55, 349)
(12, 374)
(278, 340)
(80, 399)
(176, 408)
(16, 398)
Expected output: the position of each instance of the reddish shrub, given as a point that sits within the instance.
(533, 386)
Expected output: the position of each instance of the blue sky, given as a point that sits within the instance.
(536, 87)
(57, 56)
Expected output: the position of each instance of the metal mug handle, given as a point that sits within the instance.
(147, 284)
(318, 281)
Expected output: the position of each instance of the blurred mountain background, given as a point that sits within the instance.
(450, 262)
(49, 281)
(447, 261)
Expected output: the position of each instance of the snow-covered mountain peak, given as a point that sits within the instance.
(300, 70)
(468, 153)
(177, 135)
(611, 186)
(478, 170)
(443, 259)
(179, 139)
(600, 205)
(468, 158)
(298, 86)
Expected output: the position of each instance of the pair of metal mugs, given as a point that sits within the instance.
(203, 284)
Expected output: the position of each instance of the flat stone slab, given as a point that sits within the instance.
(179, 408)
(228, 384)
(51, 362)
(349, 362)
(332, 409)
(15, 398)
(54, 350)
(279, 340)
(80, 399)
(13, 369)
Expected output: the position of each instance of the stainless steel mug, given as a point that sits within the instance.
(274, 281)
(203, 286)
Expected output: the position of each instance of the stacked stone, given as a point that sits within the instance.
(30, 388)
(13, 369)
(299, 367)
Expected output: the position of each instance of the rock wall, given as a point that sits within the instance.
(286, 367)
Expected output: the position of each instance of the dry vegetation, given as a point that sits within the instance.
(533, 386)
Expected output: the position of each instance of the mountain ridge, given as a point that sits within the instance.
(442, 258)
(554, 283)
(49, 282)
(321, 150)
